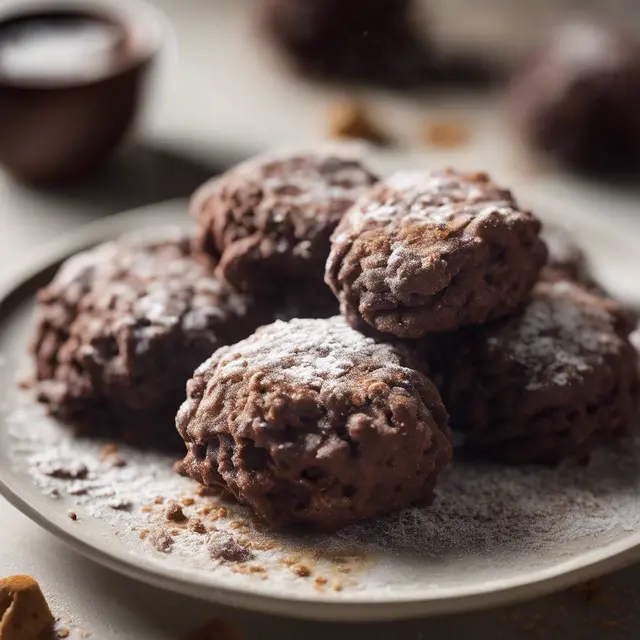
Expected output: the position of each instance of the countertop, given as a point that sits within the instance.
(185, 136)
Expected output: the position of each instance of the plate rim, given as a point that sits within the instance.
(502, 591)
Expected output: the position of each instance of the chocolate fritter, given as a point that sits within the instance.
(578, 100)
(550, 383)
(426, 252)
(120, 330)
(363, 41)
(311, 422)
(267, 222)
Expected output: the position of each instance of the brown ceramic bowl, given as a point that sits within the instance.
(57, 126)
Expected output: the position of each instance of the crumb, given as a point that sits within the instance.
(62, 633)
(250, 570)
(445, 134)
(54, 493)
(71, 471)
(302, 571)
(337, 586)
(205, 511)
(266, 545)
(196, 526)
(239, 524)
(143, 534)
(72, 515)
(159, 500)
(24, 612)
(320, 582)
(78, 491)
(222, 512)
(289, 561)
(350, 120)
(26, 383)
(256, 568)
(215, 629)
(203, 491)
(175, 532)
(344, 569)
(175, 513)
(107, 451)
(146, 509)
(187, 502)
(228, 550)
(161, 540)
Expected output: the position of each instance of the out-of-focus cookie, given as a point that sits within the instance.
(577, 101)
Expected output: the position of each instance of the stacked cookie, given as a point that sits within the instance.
(533, 362)
(447, 299)
(122, 327)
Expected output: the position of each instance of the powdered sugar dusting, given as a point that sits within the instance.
(557, 340)
(433, 198)
(305, 351)
(486, 520)
(148, 286)
(307, 181)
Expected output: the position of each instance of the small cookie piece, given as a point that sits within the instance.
(267, 222)
(120, 330)
(431, 251)
(24, 612)
(362, 41)
(309, 421)
(577, 101)
(550, 383)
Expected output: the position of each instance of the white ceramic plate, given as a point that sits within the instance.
(496, 535)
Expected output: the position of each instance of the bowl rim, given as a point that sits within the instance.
(146, 25)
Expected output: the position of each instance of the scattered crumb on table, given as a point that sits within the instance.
(352, 120)
(445, 134)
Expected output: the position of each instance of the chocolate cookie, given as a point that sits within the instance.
(268, 221)
(578, 100)
(550, 383)
(309, 421)
(120, 330)
(426, 252)
(363, 41)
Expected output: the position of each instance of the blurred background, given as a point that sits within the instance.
(106, 105)
(230, 77)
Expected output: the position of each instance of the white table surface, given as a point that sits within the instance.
(191, 129)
